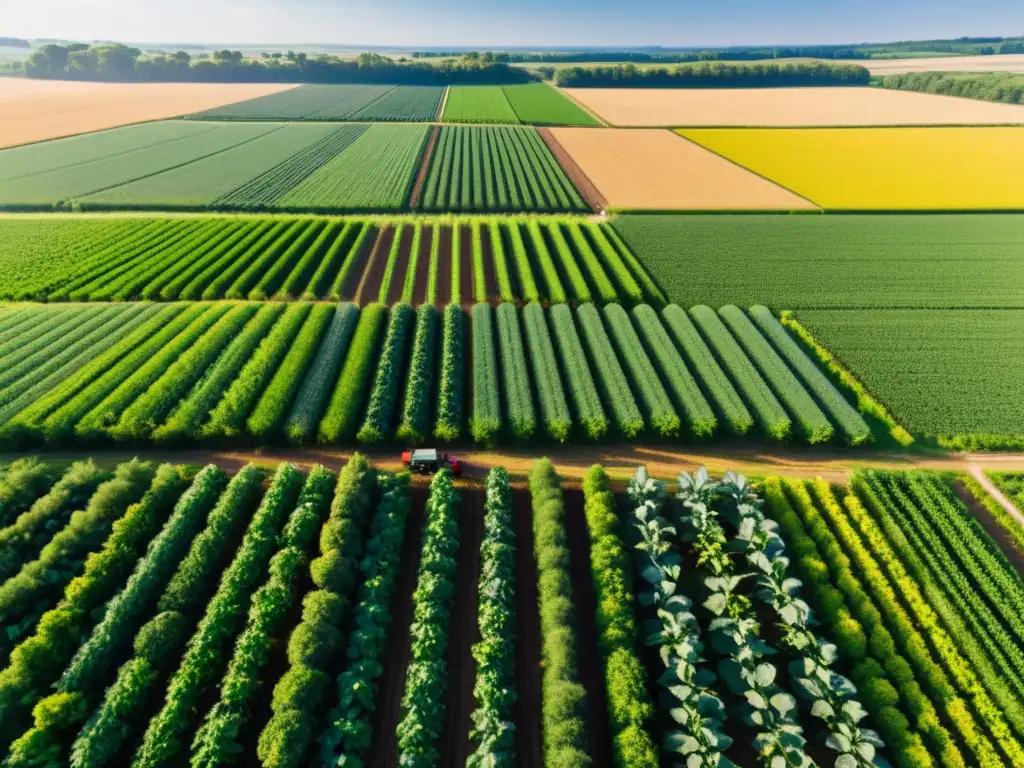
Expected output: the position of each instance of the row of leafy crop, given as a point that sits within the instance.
(319, 372)
(496, 169)
(909, 652)
(550, 259)
(740, 559)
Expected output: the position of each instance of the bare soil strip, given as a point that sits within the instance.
(466, 267)
(369, 288)
(572, 169)
(421, 176)
(397, 285)
(460, 702)
(444, 268)
(490, 278)
(355, 276)
(419, 290)
(528, 662)
(383, 752)
(588, 659)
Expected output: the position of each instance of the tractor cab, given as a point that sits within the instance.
(427, 461)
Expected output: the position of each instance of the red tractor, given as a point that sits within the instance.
(427, 461)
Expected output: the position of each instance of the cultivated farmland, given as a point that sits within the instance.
(307, 102)
(650, 170)
(797, 107)
(36, 110)
(540, 104)
(478, 104)
(498, 169)
(405, 103)
(185, 371)
(884, 169)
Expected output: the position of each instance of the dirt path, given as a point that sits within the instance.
(528, 662)
(587, 189)
(397, 285)
(355, 276)
(421, 177)
(464, 632)
(1002, 538)
(664, 462)
(419, 291)
(369, 286)
(1011, 509)
(444, 268)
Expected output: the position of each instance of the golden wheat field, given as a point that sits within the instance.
(883, 168)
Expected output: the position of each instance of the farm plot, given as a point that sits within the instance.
(884, 168)
(406, 103)
(307, 102)
(950, 374)
(833, 262)
(231, 370)
(478, 104)
(205, 181)
(34, 110)
(375, 173)
(540, 104)
(778, 107)
(499, 169)
(651, 170)
(48, 188)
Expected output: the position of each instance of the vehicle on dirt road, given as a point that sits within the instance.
(427, 461)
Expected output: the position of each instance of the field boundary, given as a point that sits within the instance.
(439, 115)
(602, 122)
(421, 176)
(587, 189)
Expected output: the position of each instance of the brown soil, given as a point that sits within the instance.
(998, 534)
(468, 297)
(419, 291)
(421, 176)
(490, 277)
(580, 180)
(373, 275)
(528, 662)
(355, 275)
(444, 269)
(383, 752)
(401, 269)
(588, 659)
(455, 743)
(37, 110)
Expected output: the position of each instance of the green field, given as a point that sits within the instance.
(478, 104)
(948, 374)
(811, 261)
(306, 102)
(404, 104)
(496, 169)
(540, 104)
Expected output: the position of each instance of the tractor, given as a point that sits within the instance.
(427, 461)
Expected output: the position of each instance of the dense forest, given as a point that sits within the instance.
(1003, 87)
(715, 75)
(121, 63)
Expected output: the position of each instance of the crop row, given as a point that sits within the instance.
(334, 373)
(552, 260)
(496, 169)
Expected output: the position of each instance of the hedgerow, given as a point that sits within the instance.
(204, 655)
(450, 416)
(563, 698)
(485, 421)
(217, 742)
(346, 404)
(419, 388)
(268, 417)
(349, 725)
(318, 637)
(228, 418)
(586, 401)
(322, 375)
(629, 706)
(425, 678)
(388, 379)
(494, 689)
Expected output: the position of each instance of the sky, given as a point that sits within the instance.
(483, 23)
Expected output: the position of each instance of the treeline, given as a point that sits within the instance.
(681, 57)
(1001, 86)
(121, 63)
(715, 75)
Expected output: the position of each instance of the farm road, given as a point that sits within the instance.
(620, 461)
(990, 488)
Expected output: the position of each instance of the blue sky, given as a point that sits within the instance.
(483, 23)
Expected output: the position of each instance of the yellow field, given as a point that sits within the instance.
(883, 168)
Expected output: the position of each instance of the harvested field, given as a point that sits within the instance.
(797, 107)
(1007, 62)
(37, 110)
(651, 170)
(884, 169)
